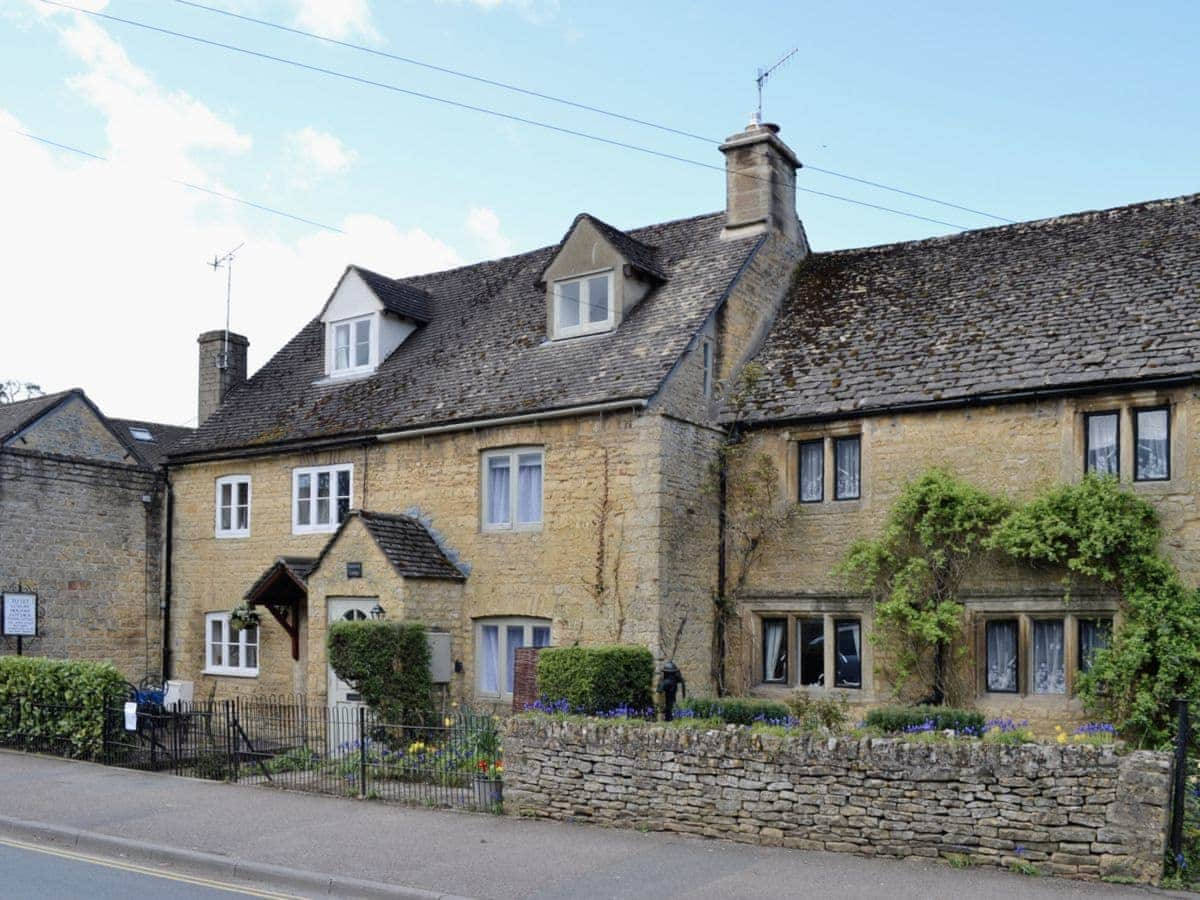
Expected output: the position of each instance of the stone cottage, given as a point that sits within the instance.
(1017, 358)
(521, 452)
(82, 505)
(514, 452)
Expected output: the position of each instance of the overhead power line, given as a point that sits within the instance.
(334, 73)
(491, 82)
(187, 184)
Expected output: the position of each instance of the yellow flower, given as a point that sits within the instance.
(416, 747)
(1077, 738)
(446, 721)
(1062, 738)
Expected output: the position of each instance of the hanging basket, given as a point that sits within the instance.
(243, 617)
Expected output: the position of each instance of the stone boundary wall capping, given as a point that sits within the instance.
(1074, 810)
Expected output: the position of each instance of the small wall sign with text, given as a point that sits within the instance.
(19, 615)
(354, 570)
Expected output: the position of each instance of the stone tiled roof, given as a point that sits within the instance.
(401, 299)
(15, 416)
(166, 438)
(1066, 302)
(293, 568)
(484, 351)
(409, 546)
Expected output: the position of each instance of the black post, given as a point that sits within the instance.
(19, 645)
(362, 752)
(1179, 788)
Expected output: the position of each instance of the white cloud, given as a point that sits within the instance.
(106, 277)
(315, 154)
(484, 224)
(336, 18)
(534, 10)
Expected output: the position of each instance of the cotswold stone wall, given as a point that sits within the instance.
(1071, 810)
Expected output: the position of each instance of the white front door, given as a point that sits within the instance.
(344, 700)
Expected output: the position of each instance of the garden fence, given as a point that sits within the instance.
(448, 758)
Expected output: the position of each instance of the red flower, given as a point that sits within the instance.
(483, 765)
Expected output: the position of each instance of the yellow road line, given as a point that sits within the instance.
(143, 870)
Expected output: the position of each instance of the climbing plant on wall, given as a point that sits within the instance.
(913, 573)
(1097, 530)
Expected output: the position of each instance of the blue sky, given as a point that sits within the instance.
(1021, 109)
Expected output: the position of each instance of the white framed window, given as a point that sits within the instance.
(233, 506)
(141, 434)
(496, 643)
(351, 345)
(583, 305)
(512, 489)
(320, 497)
(228, 652)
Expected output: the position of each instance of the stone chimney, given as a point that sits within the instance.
(760, 183)
(219, 372)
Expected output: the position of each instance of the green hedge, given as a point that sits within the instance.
(597, 679)
(736, 710)
(894, 719)
(57, 703)
(388, 663)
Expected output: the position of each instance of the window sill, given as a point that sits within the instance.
(231, 673)
(314, 529)
(512, 529)
(231, 535)
(346, 377)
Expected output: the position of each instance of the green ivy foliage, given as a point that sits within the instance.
(1097, 530)
(597, 679)
(388, 663)
(62, 703)
(913, 571)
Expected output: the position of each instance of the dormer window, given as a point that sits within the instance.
(352, 345)
(583, 305)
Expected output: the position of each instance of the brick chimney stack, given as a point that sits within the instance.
(760, 183)
(219, 373)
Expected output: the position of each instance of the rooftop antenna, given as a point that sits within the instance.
(225, 262)
(763, 75)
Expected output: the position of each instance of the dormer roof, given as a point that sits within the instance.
(398, 298)
(639, 254)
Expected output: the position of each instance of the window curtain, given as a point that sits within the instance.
(774, 661)
(1049, 671)
(1152, 453)
(541, 635)
(1102, 444)
(489, 659)
(529, 487)
(226, 507)
(812, 474)
(847, 461)
(1093, 635)
(498, 491)
(341, 347)
(303, 504)
(1002, 656)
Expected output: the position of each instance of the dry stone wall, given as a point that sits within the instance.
(1074, 810)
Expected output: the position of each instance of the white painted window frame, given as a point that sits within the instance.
(331, 346)
(503, 623)
(233, 481)
(219, 668)
(513, 454)
(570, 331)
(313, 471)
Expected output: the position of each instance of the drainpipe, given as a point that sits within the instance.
(165, 604)
(722, 573)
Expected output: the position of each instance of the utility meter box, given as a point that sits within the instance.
(440, 664)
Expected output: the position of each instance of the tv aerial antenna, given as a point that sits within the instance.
(225, 262)
(764, 74)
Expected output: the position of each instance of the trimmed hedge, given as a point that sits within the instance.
(597, 679)
(59, 703)
(736, 710)
(388, 663)
(895, 719)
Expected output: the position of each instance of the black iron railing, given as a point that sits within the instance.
(448, 758)
(1184, 838)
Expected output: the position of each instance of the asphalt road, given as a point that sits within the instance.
(30, 872)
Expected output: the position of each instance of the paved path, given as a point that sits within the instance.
(469, 854)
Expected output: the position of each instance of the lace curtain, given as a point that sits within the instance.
(774, 655)
(1152, 453)
(1102, 455)
(529, 487)
(1049, 669)
(498, 491)
(1002, 656)
(846, 452)
(812, 474)
(489, 659)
